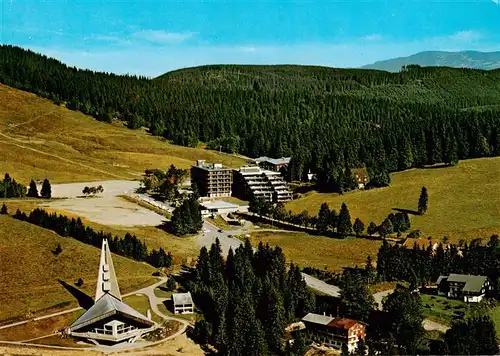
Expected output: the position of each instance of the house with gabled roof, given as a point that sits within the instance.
(463, 286)
(110, 320)
(333, 331)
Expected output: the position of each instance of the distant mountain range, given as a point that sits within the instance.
(467, 59)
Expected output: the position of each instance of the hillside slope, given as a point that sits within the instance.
(463, 200)
(464, 59)
(327, 119)
(30, 272)
(39, 139)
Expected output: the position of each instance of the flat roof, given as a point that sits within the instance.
(218, 204)
(182, 298)
(282, 160)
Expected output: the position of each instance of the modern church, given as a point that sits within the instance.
(110, 320)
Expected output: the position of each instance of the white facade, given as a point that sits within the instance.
(473, 299)
(183, 303)
(221, 207)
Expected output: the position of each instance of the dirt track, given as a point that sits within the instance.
(106, 208)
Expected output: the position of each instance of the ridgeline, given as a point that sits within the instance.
(329, 120)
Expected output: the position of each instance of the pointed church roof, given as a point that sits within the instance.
(105, 307)
(106, 279)
(108, 300)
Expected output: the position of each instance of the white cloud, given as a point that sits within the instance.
(372, 37)
(159, 36)
(465, 36)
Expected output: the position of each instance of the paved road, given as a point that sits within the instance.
(210, 232)
(321, 286)
(153, 301)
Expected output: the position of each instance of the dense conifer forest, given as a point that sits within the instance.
(327, 119)
(247, 299)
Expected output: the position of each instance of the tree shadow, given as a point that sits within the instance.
(167, 227)
(408, 211)
(83, 299)
(437, 166)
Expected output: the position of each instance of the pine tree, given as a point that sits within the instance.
(46, 191)
(323, 218)
(355, 296)
(358, 227)
(386, 228)
(344, 224)
(422, 201)
(372, 228)
(33, 190)
(4, 210)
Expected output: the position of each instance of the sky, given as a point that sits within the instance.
(152, 37)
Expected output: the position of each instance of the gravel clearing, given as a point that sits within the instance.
(105, 208)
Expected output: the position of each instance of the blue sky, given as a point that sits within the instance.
(152, 37)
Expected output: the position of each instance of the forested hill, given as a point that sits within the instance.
(328, 119)
(464, 59)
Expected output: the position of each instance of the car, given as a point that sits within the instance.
(220, 230)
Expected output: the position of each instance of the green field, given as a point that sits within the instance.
(140, 302)
(495, 315)
(441, 309)
(463, 200)
(184, 249)
(30, 274)
(319, 251)
(41, 140)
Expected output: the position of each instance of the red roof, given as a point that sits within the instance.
(342, 323)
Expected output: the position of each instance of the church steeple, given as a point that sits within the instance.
(106, 280)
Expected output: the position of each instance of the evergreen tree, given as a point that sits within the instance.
(358, 227)
(386, 228)
(33, 190)
(344, 224)
(4, 210)
(475, 336)
(422, 201)
(355, 296)
(323, 221)
(46, 191)
(372, 228)
(370, 271)
(405, 313)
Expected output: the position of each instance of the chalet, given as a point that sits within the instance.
(183, 303)
(333, 332)
(463, 286)
(110, 320)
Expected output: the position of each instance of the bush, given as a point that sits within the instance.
(79, 282)
(57, 250)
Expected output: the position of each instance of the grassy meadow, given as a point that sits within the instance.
(31, 273)
(184, 249)
(319, 251)
(41, 140)
(464, 200)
